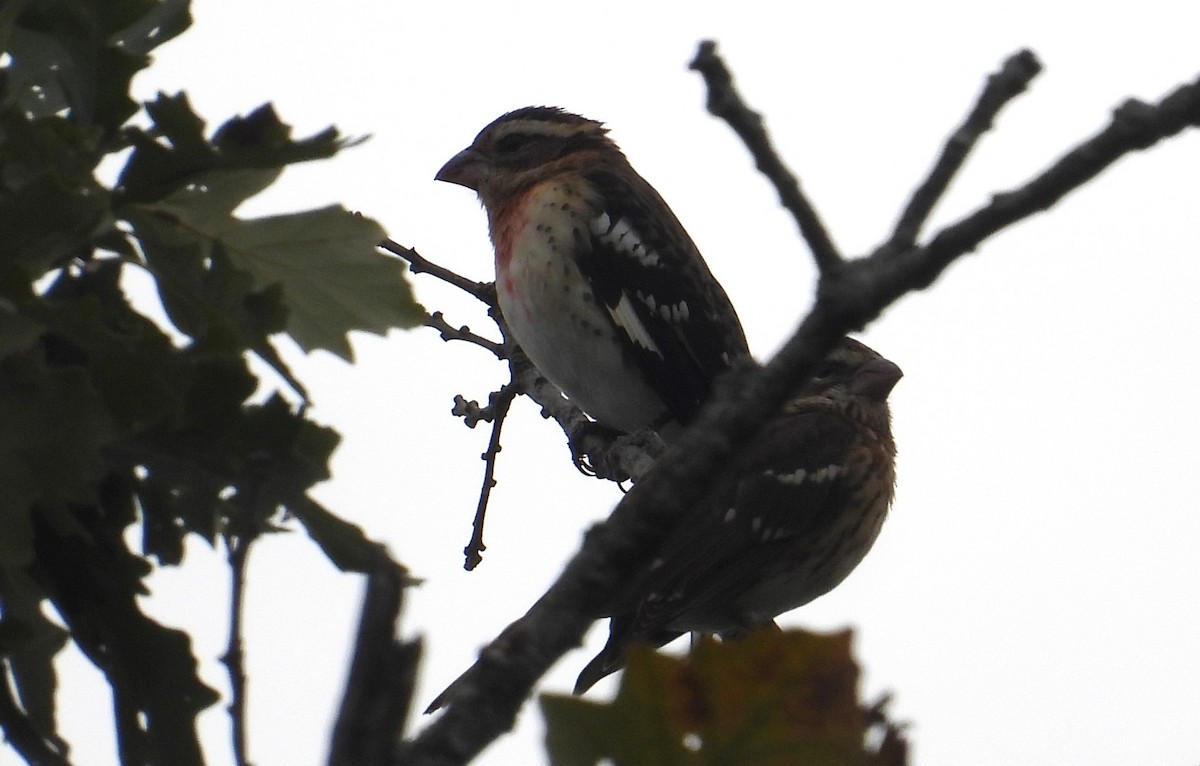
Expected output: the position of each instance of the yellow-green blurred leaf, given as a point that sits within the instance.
(769, 699)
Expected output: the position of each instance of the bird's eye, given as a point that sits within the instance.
(512, 142)
(825, 371)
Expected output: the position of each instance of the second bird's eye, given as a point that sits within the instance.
(826, 370)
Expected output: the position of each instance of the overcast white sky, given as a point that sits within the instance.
(1033, 596)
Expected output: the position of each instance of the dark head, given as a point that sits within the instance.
(524, 147)
(853, 375)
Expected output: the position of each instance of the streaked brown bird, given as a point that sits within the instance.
(597, 280)
(786, 520)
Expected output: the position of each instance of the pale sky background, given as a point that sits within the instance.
(1033, 598)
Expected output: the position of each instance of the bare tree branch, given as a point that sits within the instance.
(382, 674)
(484, 291)
(1003, 86)
(234, 660)
(1135, 126)
(725, 102)
(437, 320)
(484, 701)
(21, 734)
(499, 404)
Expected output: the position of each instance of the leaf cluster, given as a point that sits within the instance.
(111, 421)
(768, 698)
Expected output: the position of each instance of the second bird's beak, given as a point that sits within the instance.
(467, 168)
(876, 378)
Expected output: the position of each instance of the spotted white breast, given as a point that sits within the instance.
(554, 314)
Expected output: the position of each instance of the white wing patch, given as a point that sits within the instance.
(622, 238)
(669, 313)
(676, 313)
(801, 475)
(627, 319)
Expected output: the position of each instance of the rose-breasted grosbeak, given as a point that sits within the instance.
(596, 278)
(786, 520)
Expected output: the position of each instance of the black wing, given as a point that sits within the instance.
(658, 290)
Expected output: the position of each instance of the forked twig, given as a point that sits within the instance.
(1002, 87)
(725, 102)
(498, 404)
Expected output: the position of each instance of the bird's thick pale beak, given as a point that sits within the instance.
(467, 168)
(876, 379)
